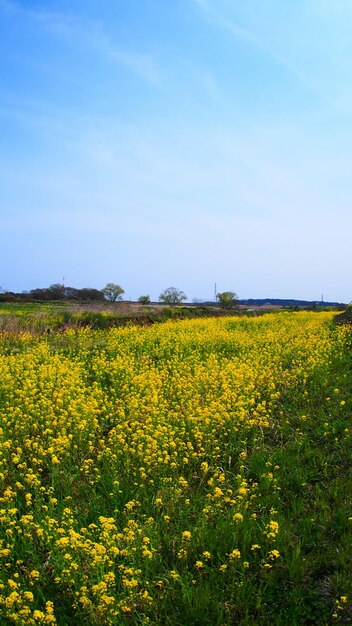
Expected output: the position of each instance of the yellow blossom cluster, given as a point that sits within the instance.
(127, 460)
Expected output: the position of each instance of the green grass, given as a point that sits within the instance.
(299, 469)
(46, 317)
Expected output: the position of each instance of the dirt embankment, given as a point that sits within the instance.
(345, 317)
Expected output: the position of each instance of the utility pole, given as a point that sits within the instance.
(215, 292)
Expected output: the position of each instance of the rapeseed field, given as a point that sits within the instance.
(194, 472)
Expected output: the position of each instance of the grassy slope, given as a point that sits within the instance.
(55, 316)
(312, 448)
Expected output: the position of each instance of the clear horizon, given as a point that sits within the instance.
(187, 143)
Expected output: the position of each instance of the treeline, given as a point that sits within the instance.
(171, 295)
(54, 292)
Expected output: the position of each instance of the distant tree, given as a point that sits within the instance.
(88, 293)
(39, 294)
(144, 299)
(56, 291)
(113, 292)
(8, 296)
(71, 293)
(171, 295)
(227, 299)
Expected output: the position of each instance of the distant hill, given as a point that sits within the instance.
(287, 302)
(277, 302)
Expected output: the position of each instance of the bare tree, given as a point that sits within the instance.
(171, 295)
(227, 299)
(113, 292)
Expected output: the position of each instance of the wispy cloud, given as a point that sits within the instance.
(142, 64)
(90, 34)
(8, 6)
(213, 14)
(203, 4)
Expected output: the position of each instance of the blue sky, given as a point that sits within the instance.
(186, 142)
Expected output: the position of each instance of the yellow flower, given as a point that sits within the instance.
(235, 554)
(274, 554)
(28, 596)
(38, 615)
